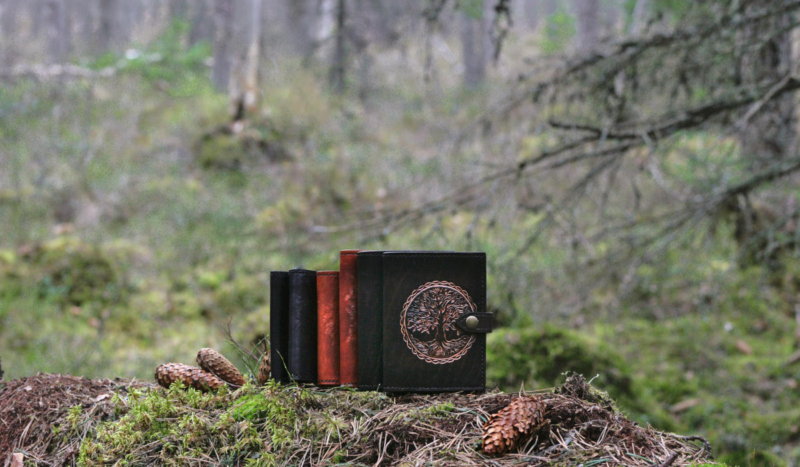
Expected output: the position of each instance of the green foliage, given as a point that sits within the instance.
(165, 62)
(559, 29)
(473, 8)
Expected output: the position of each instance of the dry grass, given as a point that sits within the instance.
(304, 426)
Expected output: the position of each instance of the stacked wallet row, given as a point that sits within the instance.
(397, 321)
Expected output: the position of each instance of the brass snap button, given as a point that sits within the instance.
(472, 322)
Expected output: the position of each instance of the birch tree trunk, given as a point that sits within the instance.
(223, 18)
(611, 13)
(472, 47)
(639, 19)
(36, 12)
(5, 26)
(250, 97)
(57, 31)
(86, 26)
(588, 12)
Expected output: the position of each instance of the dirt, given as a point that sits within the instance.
(30, 409)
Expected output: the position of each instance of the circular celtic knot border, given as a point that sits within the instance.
(408, 339)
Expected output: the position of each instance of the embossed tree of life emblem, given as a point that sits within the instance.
(428, 322)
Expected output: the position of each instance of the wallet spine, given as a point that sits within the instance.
(303, 325)
(328, 328)
(279, 324)
(370, 320)
(348, 317)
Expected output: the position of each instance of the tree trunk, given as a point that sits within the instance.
(550, 7)
(253, 55)
(35, 7)
(337, 75)
(6, 27)
(611, 13)
(178, 10)
(3, 7)
(57, 31)
(85, 18)
(110, 30)
(529, 11)
(364, 77)
(301, 17)
(472, 46)
(770, 134)
(588, 12)
(221, 72)
(440, 335)
(202, 23)
(639, 20)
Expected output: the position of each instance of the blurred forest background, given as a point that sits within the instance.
(629, 166)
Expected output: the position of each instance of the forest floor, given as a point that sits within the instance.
(63, 420)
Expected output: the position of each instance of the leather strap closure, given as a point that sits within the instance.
(475, 323)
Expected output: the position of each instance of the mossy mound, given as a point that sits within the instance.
(222, 149)
(537, 357)
(87, 422)
(67, 270)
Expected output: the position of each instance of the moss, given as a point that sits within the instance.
(178, 421)
(221, 149)
(75, 272)
(752, 458)
(538, 357)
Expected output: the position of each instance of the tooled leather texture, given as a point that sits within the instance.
(370, 319)
(303, 325)
(348, 317)
(328, 328)
(279, 325)
(425, 294)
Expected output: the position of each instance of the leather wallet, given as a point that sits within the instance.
(370, 319)
(279, 324)
(434, 321)
(328, 328)
(348, 317)
(303, 325)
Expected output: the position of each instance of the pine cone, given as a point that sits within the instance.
(505, 429)
(191, 376)
(264, 368)
(216, 364)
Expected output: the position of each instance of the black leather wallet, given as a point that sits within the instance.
(279, 324)
(370, 319)
(434, 321)
(303, 325)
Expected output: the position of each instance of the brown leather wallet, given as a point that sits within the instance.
(328, 328)
(348, 318)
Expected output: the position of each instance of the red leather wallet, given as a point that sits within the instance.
(348, 318)
(328, 328)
